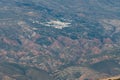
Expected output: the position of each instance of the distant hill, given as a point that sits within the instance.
(112, 78)
(68, 39)
(11, 71)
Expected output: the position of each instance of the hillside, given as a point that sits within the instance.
(67, 39)
(13, 71)
(112, 78)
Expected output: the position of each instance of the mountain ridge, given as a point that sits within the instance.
(61, 37)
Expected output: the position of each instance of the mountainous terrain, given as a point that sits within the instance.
(112, 78)
(59, 39)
